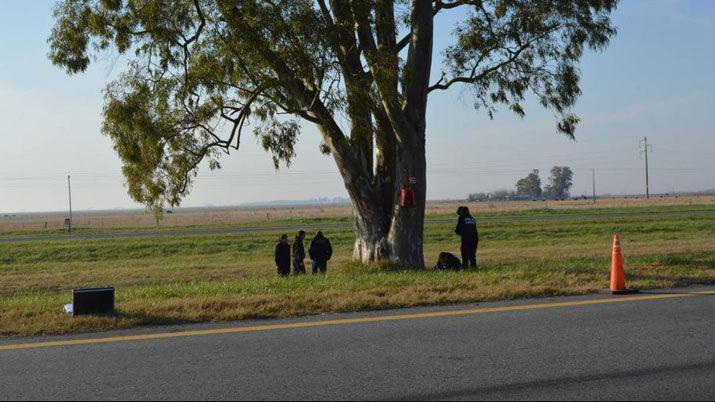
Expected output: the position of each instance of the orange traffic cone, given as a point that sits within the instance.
(618, 280)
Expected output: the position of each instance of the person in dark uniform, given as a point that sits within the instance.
(299, 254)
(320, 252)
(467, 229)
(282, 256)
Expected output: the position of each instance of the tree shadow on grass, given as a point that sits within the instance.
(380, 267)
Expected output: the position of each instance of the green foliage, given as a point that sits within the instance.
(192, 84)
(561, 180)
(529, 185)
(279, 138)
(202, 70)
(506, 48)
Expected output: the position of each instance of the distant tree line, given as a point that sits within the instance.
(529, 187)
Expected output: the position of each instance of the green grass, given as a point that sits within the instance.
(545, 212)
(196, 278)
(347, 220)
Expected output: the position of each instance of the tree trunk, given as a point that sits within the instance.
(395, 234)
(371, 238)
(404, 242)
(407, 226)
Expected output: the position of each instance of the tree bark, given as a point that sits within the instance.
(405, 238)
(407, 227)
(371, 241)
(403, 243)
(392, 232)
(385, 230)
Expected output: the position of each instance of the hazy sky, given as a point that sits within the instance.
(656, 79)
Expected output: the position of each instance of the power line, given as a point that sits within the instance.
(256, 180)
(517, 164)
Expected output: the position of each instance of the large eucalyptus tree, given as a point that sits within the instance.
(201, 71)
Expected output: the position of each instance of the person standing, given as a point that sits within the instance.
(299, 254)
(282, 256)
(320, 252)
(467, 229)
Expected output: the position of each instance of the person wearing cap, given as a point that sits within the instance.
(467, 230)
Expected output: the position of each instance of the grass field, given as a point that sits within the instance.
(53, 222)
(196, 278)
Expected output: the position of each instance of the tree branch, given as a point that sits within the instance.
(440, 5)
(332, 134)
(474, 77)
(386, 90)
(419, 62)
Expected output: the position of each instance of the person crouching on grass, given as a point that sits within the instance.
(282, 256)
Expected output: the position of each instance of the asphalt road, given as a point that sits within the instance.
(252, 229)
(649, 347)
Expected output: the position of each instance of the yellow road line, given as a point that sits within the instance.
(362, 320)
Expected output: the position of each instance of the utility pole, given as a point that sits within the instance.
(645, 148)
(69, 191)
(593, 172)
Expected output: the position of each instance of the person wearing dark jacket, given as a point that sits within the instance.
(282, 256)
(320, 252)
(448, 262)
(467, 229)
(299, 254)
